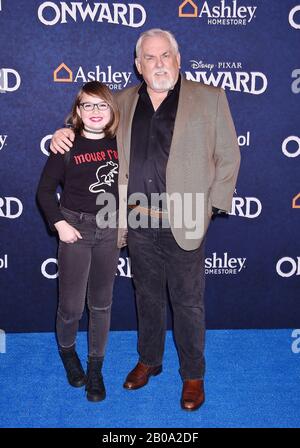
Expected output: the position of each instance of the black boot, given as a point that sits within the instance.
(73, 367)
(95, 389)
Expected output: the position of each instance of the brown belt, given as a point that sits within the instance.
(149, 211)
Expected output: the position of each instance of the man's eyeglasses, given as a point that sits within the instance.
(89, 107)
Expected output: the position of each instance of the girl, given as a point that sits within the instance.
(87, 255)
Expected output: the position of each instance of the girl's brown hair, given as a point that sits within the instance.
(98, 89)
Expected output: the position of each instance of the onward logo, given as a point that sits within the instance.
(132, 14)
(236, 78)
(291, 150)
(50, 271)
(113, 80)
(10, 80)
(247, 207)
(224, 13)
(10, 207)
(294, 23)
(3, 141)
(288, 266)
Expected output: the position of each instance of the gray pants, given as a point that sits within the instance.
(159, 263)
(86, 268)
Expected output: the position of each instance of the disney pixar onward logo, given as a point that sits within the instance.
(132, 14)
(228, 75)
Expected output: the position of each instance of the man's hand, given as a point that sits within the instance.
(62, 140)
(66, 232)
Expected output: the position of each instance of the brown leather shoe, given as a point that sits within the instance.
(140, 375)
(192, 396)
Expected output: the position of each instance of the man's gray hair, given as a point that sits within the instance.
(156, 32)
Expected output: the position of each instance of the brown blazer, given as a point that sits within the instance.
(204, 157)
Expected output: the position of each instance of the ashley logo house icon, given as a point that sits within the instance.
(188, 9)
(296, 201)
(63, 73)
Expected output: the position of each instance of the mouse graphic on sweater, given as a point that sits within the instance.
(105, 176)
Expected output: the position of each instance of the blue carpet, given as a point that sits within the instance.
(252, 380)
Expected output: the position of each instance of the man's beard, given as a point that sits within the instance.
(164, 83)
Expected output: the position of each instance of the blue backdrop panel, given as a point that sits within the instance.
(250, 48)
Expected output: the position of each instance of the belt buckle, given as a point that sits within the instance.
(155, 209)
(156, 212)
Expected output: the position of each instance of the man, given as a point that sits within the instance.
(175, 138)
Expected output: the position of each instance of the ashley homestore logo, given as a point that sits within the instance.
(224, 264)
(223, 12)
(113, 79)
(132, 14)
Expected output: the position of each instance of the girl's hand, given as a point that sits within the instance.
(66, 232)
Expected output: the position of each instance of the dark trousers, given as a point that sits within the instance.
(86, 268)
(159, 263)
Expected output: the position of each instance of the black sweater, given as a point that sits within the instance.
(90, 169)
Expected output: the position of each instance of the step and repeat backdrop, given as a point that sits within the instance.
(250, 48)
